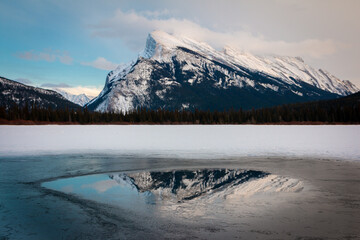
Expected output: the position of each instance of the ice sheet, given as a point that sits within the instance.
(193, 141)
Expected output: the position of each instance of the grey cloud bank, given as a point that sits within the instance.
(324, 33)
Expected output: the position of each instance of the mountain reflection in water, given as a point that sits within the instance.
(186, 184)
(136, 190)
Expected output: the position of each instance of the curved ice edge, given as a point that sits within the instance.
(267, 185)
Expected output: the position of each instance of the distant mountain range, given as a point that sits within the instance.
(180, 73)
(12, 92)
(80, 99)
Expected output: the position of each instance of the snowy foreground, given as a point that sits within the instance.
(335, 142)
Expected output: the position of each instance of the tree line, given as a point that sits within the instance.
(325, 112)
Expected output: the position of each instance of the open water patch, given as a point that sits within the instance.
(139, 190)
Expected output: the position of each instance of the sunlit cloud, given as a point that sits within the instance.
(90, 91)
(101, 63)
(47, 55)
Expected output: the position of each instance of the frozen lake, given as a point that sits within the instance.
(207, 182)
(200, 141)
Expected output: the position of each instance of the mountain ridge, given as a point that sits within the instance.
(13, 92)
(177, 73)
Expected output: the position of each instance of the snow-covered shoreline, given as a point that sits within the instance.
(193, 141)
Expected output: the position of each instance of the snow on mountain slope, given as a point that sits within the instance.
(187, 184)
(80, 99)
(176, 72)
(161, 46)
(208, 184)
(288, 68)
(12, 92)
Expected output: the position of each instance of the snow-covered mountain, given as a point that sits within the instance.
(80, 99)
(12, 92)
(187, 184)
(178, 72)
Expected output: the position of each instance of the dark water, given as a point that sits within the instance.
(104, 196)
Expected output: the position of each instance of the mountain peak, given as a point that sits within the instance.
(159, 44)
(165, 39)
(158, 41)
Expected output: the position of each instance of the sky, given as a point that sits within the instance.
(72, 45)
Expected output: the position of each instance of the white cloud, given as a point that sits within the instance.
(90, 91)
(156, 14)
(47, 55)
(135, 25)
(101, 63)
(31, 55)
